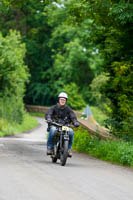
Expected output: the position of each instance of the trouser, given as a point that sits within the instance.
(52, 133)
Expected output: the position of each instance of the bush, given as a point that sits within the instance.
(121, 128)
(11, 110)
(99, 115)
(97, 97)
(119, 89)
(11, 128)
(75, 99)
(119, 152)
(83, 142)
(13, 76)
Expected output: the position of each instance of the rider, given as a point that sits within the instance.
(60, 113)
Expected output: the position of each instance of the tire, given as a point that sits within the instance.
(64, 153)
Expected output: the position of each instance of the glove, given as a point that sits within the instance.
(49, 121)
(76, 124)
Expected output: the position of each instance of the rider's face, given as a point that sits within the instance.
(62, 101)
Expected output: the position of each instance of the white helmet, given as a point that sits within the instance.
(63, 95)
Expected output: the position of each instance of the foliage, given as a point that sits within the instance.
(98, 98)
(117, 52)
(12, 109)
(75, 99)
(100, 115)
(122, 86)
(13, 75)
(11, 128)
(114, 30)
(57, 53)
(75, 57)
(113, 151)
(75, 41)
(27, 17)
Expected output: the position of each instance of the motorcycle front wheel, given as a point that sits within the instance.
(64, 153)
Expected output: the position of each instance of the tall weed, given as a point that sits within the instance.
(11, 128)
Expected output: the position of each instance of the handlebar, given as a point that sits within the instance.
(56, 124)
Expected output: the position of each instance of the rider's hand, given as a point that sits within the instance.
(76, 124)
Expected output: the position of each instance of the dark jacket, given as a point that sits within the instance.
(60, 114)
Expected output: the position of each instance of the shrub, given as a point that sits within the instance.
(13, 76)
(121, 128)
(75, 99)
(119, 89)
(114, 151)
(97, 97)
(11, 128)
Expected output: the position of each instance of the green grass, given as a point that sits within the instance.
(118, 152)
(7, 128)
(36, 114)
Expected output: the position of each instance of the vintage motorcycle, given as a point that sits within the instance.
(61, 142)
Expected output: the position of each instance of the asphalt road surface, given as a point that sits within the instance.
(26, 173)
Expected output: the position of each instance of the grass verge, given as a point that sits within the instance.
(118, 152)
(36, 114)
(7, 128)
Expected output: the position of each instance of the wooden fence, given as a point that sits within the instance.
(91, 125)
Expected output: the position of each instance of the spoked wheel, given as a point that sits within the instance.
(64, 153)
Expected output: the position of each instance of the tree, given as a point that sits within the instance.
(27, 17)
(13, 76)
(75, 56)
(113, 21)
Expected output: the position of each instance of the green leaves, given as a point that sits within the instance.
(12, 67)
(13, 76)
(96, 90)
(75, 99)
(74, 57)
(122, 11)
(70, 43)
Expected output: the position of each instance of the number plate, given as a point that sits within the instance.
(65, 128)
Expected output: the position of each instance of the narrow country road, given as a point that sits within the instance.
(26, 173)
